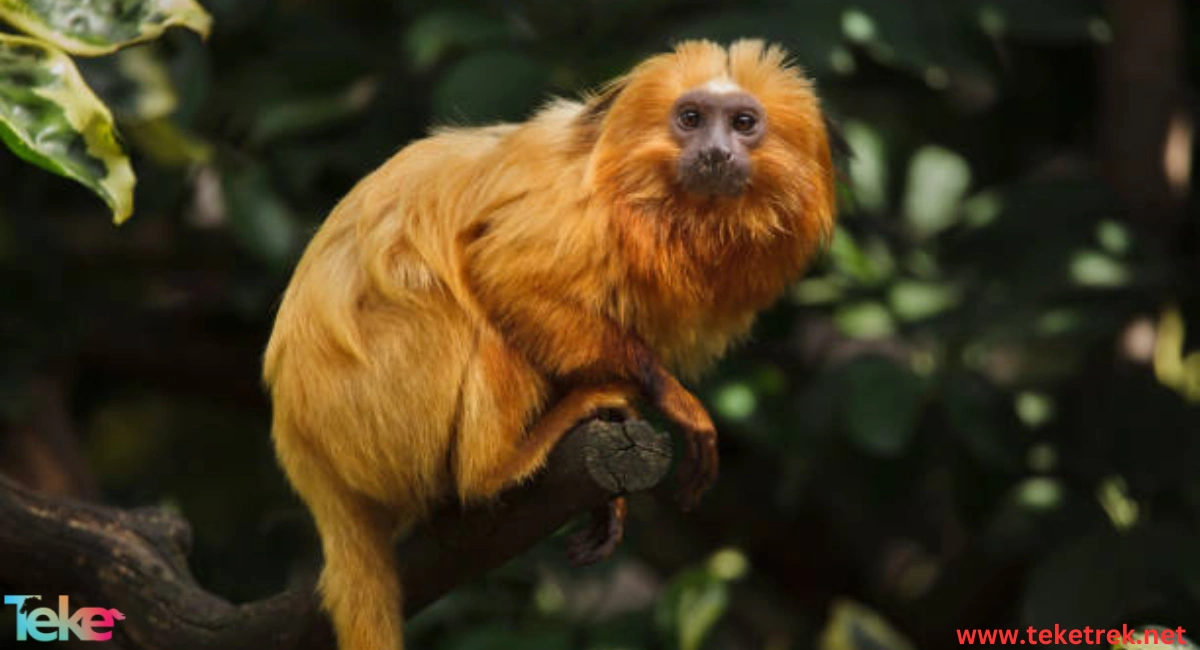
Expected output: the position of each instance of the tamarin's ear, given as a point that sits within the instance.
(597, 105)
(590, 120)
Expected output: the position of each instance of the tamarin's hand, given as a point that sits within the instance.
(486, 289)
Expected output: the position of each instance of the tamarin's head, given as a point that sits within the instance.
(734, 125)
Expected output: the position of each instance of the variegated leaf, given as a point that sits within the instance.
(50, 117)
(94, 27)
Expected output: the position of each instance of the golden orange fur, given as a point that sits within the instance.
(487, 288)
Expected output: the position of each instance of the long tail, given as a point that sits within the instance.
(359, 584)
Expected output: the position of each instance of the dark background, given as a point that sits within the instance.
(980, 409)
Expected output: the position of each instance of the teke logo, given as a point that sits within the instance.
(43, 624)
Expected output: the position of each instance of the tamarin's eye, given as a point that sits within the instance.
(744, 122)
(689, 118)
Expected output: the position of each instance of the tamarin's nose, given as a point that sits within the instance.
(716, 155)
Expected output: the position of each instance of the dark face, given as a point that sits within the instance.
(716, 131)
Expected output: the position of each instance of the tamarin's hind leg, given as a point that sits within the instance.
(530, 451)
(359, 584)
(608, 401)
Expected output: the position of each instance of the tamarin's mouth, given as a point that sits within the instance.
(709, 177)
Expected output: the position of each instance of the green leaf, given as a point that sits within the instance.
(864, 320)
(691, 606)
(869, 166)
(695, 600)
(699, 611)
(865, 259)
(938, 180)
(1039, 493)
(168, 145)
(728, 564)
(736, 401)
(51, 118)
(1095, 269)
(854, 626)
(880, 403)
(102, 26)
(259, 218)
(914, 300)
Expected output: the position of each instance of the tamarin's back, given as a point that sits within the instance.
(380, 300)
(487, 288)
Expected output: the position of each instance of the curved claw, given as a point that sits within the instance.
(602, 535)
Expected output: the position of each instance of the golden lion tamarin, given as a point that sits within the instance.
(487, 289)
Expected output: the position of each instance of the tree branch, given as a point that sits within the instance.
(136, 560)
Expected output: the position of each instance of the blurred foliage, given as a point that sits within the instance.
(980, 409)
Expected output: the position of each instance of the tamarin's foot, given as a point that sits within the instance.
(601, 536)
